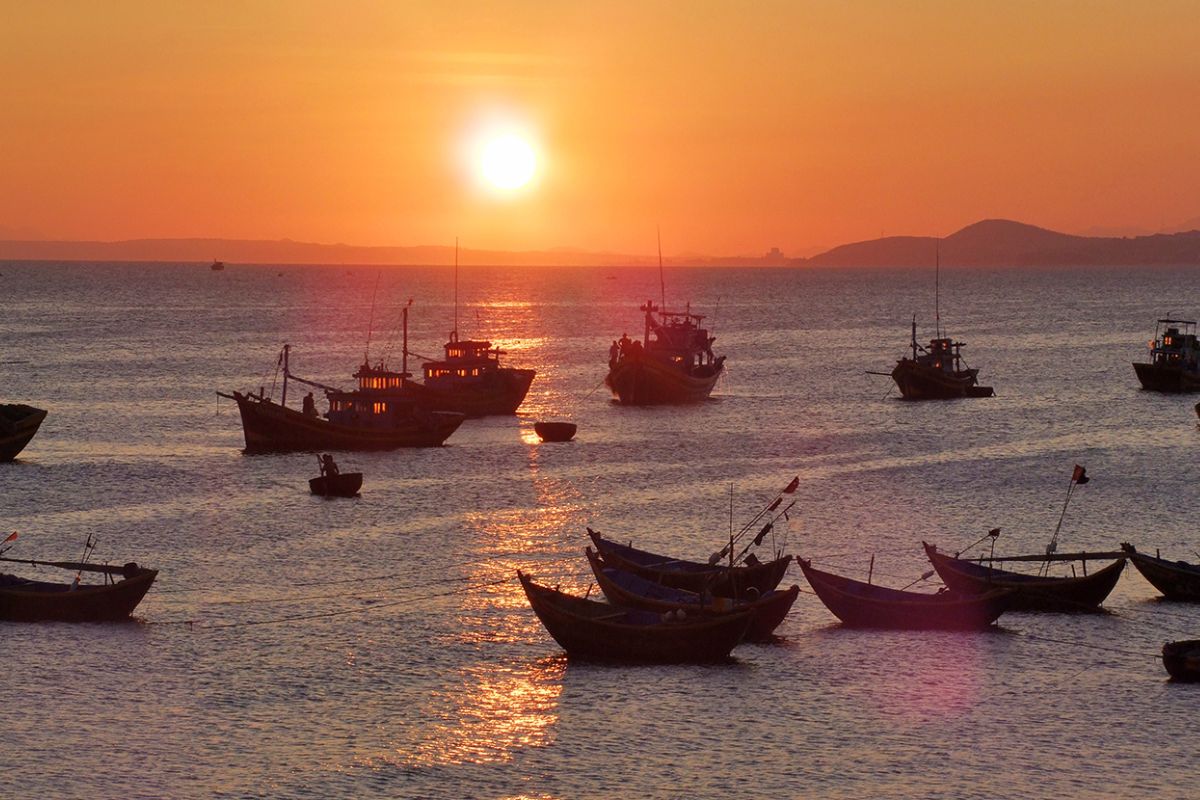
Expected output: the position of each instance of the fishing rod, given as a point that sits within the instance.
(770, 507)
(770, 526)
(1078, 477)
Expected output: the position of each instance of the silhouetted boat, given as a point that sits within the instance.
(673, 363)
(1174, 364)
(376, 416)
(18, 424)
(24, 600)
(936, 373)
(721, 580)
(1182, 660)
(555, 431)
(593, 630)
(344, 484)
(217, 266)
(1030, 592)
(864, 605)
(469, 380)
(1177, 580)
(628, 589)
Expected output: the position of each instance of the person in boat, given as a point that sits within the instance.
(328, 467)
(310, 405)
(623, 345)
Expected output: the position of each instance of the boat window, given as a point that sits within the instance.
(379, 408)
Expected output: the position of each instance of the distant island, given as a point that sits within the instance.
(989, 243)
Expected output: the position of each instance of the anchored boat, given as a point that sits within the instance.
(673, 362)
(1177, 580)
(1174, 364)
(937, 372)
(378, 415)
(18, 424)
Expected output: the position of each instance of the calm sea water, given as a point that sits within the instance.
(381, 647)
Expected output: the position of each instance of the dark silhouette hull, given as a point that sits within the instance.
(1165, 378)
(18, 424)
(1182, 660)
(633, 591)
(500, 392)
(1177, 580)
(694, 576)
(555, 431)
(919, 382)
(270, 427)
(646, 381)
(1029, 592)
(863, 605)
(39, 601)
(590, 630)
(344, 484)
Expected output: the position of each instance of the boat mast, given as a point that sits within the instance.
(286, 374)
(454, 337)
(371, 322)
(914, 337)
(404, 351)
(937, 268)
(662, 282)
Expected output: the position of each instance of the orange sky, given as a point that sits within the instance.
(734, 126)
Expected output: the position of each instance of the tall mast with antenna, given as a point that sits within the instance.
(455, 336)
(662, 282)
(937, 269)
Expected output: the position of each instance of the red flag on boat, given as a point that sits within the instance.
(11, 536)
(1080, 475)
(791, 487)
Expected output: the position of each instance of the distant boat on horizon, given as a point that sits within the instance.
(217, 266)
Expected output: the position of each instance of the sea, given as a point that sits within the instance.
(381, 647)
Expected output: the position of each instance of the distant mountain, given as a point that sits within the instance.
(1004, 243)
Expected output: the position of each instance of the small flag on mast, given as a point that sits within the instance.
(1079, 476)
(11, 536)
(791, 487)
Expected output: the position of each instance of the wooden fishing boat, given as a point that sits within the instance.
(936, 372)
(1174, 364)
(592, 630)
(555, 431)
(1031, 592)
(343, 484)
(18, 424)
(721, 580)
(1182, 660)
(1177, 580)
(673, 363)
(25, 600)
(469, 380)
(217, 266)
(376, 416)
(624, 588)
(864, 605)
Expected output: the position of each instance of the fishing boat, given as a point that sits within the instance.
(26, 600)
(937, 372)
(865, 605)
(589, 629)
(1182, 660)
(375, 416)
(1031, 592)
(469, 380)
(555, 431)
(18, 424)
(628, 589)
(1174, 364)
(216, 266)
(672, 363)
(1177, 580)
(694, 576)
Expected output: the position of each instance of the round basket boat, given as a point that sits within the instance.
(555, 431)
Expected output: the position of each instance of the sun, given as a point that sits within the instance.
(506, 161)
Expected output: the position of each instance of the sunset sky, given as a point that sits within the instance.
(734, 126)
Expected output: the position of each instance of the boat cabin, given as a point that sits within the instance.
(376, 402)
(1175, 344)
(942, 354)
(467, 361)
(676, 336)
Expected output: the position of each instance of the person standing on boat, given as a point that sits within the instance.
(328, 467)
(310, 405)
(613, 353)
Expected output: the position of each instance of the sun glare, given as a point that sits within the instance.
(507, 161)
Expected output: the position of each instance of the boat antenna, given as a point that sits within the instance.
(730, 520)
(371, 322)
(937, 268)
(455, 337)
(662, 282)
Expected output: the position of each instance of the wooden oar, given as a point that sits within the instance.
(78, 566)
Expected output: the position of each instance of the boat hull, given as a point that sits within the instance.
(1165, 378)
(270, 427)
(693, 576)
(1029, 592)
(555, 431)
(1182, 660)
(598, 631)
(919, 382)
(645, 381)
(633, 591)
(1176, 580)
(863, 605)
(18, 424)
(500, 392)
(38, 601)
(344, 484)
